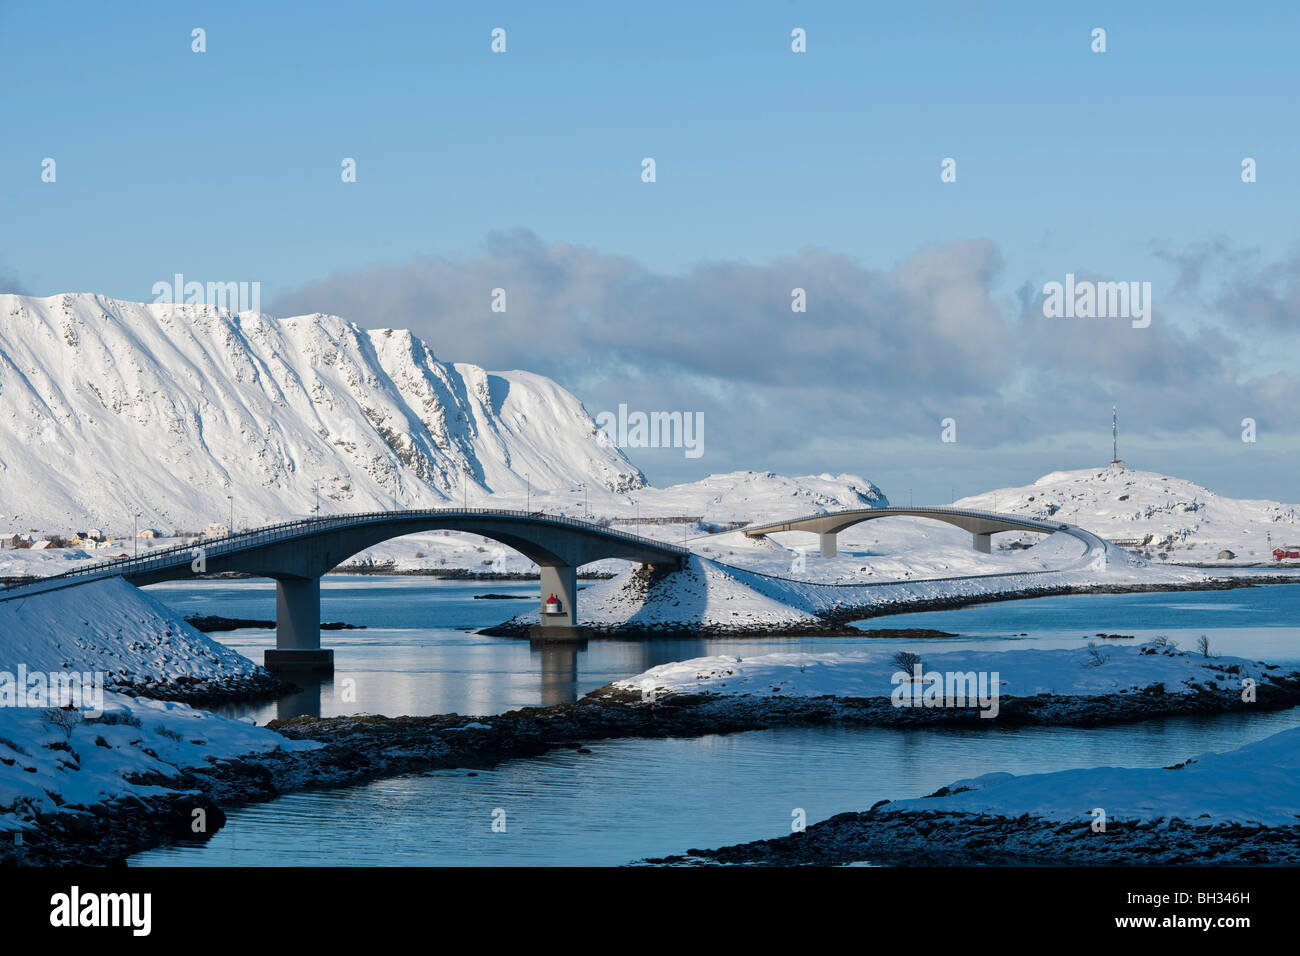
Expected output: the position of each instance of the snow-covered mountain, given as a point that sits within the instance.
(1165, 514)
(109, 408)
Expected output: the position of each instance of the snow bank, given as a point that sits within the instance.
(61, 761)
(702, 593)
(55, 760)
(1253, 785)
(1021, 673)
(113, 628)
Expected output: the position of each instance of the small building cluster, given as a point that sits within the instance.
(33, 541)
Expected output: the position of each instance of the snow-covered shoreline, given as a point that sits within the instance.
(1233, 808)
(359, 748)
(1074, 672)
(92, 724)
(974, 688)
(66, 763)
(217, 762)
(139, 646)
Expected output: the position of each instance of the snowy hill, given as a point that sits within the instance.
(761, 496)
(1170, 515)
(138, 645)
(109, 407)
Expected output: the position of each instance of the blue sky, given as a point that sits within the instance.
(806, 169)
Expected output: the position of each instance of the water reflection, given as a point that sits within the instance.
(559, 668)
(306, 701)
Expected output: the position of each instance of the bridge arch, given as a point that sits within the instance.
(981, 524)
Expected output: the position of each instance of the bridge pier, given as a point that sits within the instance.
(297, 629)
(561, 624)
(829, 549)
(983, 543)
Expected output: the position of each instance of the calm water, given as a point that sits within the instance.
(419, 655)
(636, 798)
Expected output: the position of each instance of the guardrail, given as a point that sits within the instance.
(304, 528)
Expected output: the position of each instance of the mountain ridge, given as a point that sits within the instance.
(96, 394)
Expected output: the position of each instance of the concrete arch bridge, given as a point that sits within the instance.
(981, 524)
(296, 554)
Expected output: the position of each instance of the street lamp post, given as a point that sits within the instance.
(135, 525)
(528, 501)
(230, 529)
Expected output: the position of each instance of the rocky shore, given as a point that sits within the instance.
(201, 692)
(211, 623)
(891, 837)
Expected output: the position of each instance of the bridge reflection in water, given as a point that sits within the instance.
(558, 668)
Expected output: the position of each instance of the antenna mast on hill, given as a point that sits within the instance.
(1114, 439)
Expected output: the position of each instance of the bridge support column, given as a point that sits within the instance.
(562, 581)
(829, 549)
(983, 543)
(297, 629)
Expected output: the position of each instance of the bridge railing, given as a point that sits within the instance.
(304, 527)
